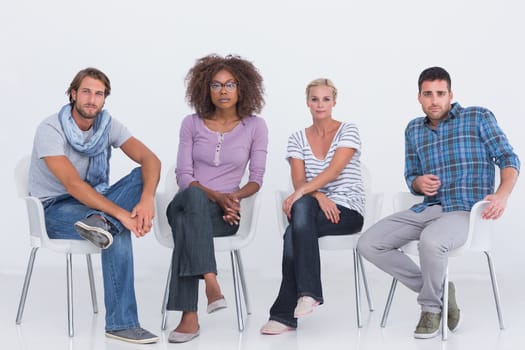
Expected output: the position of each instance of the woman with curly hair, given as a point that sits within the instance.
(216, 145)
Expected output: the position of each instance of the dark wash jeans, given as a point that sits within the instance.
(194, 221)
(63, 211)
(301, 267)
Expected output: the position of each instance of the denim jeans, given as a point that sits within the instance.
(194, 221)
(301, 266)
(117, 261)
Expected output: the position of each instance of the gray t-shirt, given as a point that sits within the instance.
(51, 141)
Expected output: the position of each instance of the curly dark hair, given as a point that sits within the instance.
(250, 84)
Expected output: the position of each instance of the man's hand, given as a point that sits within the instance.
(143, 213)
(496, 207)
(427, 184)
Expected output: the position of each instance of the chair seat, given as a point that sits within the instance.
(339, 242)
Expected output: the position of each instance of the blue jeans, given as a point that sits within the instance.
(301, 267)
(194, 221)
(117, 261)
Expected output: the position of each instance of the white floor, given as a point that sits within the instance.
(332, 325)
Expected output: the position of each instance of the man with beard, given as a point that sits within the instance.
(69, 173)
(450, 155)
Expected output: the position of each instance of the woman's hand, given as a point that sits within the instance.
(288, 202)
(328, 207)
(231, 206)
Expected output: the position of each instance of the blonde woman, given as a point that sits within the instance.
(328, 199)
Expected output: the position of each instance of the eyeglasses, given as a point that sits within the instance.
(229, 86)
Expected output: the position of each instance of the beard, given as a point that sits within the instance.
(86, 114)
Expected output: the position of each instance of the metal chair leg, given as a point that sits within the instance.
(25, 288)
(444, 309)
(388, 302)
(92, 283)
(495, 289)
(237, 289)
(69, 270)
(365, 283)
(164, 309)
(243, 282)
(357, 287)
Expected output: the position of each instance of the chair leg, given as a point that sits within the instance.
(444, 309)
(243, 282)
(69, 271)
(92, 283)
(164, 309)
(389, 302)
(365, 283)
(495, 289)
(25, 288)
(236, 288)
(357, 287)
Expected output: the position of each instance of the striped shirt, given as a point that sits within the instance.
(347, 189)
(462, 152)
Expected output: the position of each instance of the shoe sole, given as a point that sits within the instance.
(99, 237)
(135, 341)
(426, 335)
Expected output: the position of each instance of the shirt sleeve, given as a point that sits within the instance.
(49, 141)
(350, 137)
(412, 162)
(118, 133)
(497, 143)
(184, 170)
(258, 152)
(294, 148)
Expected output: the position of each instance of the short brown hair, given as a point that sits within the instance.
(250, 84)
(92, 73)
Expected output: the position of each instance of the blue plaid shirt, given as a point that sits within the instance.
(462, 152)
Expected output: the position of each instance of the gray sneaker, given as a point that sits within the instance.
(454, 314)
(134, 335)
(96, 230)
(428, 326)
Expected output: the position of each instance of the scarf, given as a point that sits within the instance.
(96, 147)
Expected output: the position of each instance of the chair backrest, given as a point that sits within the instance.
(161, 226)
(22, 176)
(478, 238)
(36, 218)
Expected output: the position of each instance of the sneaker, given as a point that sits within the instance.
(96, 230)
(274, 328)
(428, 326)
(305, 305)
(454, 314)
(134, 335)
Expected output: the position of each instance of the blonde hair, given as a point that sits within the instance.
(322, 82)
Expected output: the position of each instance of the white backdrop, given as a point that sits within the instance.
(372, 50)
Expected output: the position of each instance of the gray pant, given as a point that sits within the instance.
(437, 233)
(194, 221)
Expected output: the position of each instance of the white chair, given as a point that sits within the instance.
(232, 244)
(40, 239)
(373, 208)
(478, 241)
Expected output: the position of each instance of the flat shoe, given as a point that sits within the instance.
(274, 328)
(216, 305)
(178, 337)
(305, 305)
